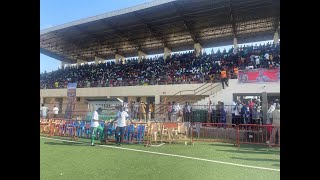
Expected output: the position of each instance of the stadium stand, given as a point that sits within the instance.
(181, 68)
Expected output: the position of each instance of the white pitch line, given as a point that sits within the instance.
(173, 155)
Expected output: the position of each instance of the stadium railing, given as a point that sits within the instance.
(135, 132)
(258, 134)
(172, 132)
(214, 132)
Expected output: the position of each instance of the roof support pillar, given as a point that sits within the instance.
(276, 38)
(64, 64)
(235, 45)
(264, 106)
(97, 60)
(79, 61)
(119, 57)
(167, 53)
(141, 56)
(197, 49)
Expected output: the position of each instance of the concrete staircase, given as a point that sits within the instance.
(196, 96)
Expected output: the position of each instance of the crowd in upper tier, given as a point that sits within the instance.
(179, 68)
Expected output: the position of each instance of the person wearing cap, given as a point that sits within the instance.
(94, 124)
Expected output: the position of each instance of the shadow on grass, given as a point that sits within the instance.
(224, 145)
(67, 143)
(82, 143)
(250, 151)
(256, 159)
(246, 147)
(278, 165)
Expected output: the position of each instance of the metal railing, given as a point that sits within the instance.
(160, 132)
(198, 113)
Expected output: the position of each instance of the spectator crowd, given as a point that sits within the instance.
(179, 68)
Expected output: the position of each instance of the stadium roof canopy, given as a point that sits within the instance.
(149, 27)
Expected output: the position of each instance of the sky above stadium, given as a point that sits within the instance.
(56, 12)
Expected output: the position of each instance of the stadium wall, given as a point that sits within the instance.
(226, 95)
(124, 91)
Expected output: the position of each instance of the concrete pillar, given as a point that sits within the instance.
(97, 59)
(79, 61)
(64, 64)
(123, 60)
(141, 56)
(167, 52)
(157, 105)
(157, 99)
(235, 43)
(276, 37)
(119, 57)
(143, 99)
(264, 106)
(41, 100)
(197, 49)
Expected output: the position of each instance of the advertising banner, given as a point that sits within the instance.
(259, 75)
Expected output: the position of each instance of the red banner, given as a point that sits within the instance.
(258, 75)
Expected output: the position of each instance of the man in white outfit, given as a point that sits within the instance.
(175, 110)
(275, 124)
(55, 111)
(44, 110)
(95, 124)
(121, 125)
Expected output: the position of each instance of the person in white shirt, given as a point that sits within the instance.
(269, 118)
(275, 124)
(55, 111)
(175, 110)
(266, 56)
(126, 106)
(121, 125)
(237, 112)
(44, 111)
(270, 110)
(257, 62)
(94, 124)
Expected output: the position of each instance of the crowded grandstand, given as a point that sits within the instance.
(149, 75)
